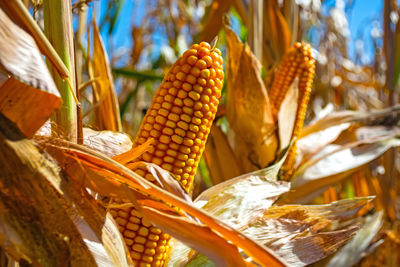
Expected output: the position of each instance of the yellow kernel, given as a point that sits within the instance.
(178, 102)
(160, 249)
(186, 87)
(129, 234)
(188, 169)
(159, 153)
(156, 161)
(188, 142)
(205, 73)
(196, 121)
(205, 44)
(216, 65)
(194, 95)
(220, 74)
(209, 115)
(205, 98)
(138, 247)
(159, 99)
(183, 157)
(168, 159)
(188, 102)
(189, 52)
(191, 135)
(169, 98)
(182, 94)
(202, 52)
(191, 79)
(171, 77)
(165, 139)
(150, 119)
(144, 264)
(198, 106)
(155, 230)
(208, 91)
(135, 255)
(202, 82)
(194, 128)
(183, 125)
(172, 91)
(128, 241)
(176, 110)
(201, 64)
(210, 83)
(197, 141)
(177, 84)
(170, 124)
(195, 72)
(141, 140)
(157, 126)
(147, 126)
(166, 105)
(143, 231)
(173, 146)
(151, 244)
(153, 237)
(172, 153)
(181, 76)
(167, 166)
(163, 111)
(173, 117)
(177, 170)
(150, 251)
(218, 51)
(185, 178)
(180, 132)
(208, 60)
(167, 131)
(146, 259)
(198, 114)
(146, 157)
(167, 85)
(177, 139)
(140, 172)
(185, 117)
(155, 133)
(184, 149)
(187, 110)
(196, 149)
(218, 82)
(186, 68)
(192, 60)
(146, 222)
(153, 112)
(179, 164)
(145, 134)
(161, 119)
(163, 92)
(176, 69)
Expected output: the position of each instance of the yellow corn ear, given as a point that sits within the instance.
(297, 62)
(179, 120)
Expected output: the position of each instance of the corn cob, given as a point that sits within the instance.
(179, 119)
(297, 63)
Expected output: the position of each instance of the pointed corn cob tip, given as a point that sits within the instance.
(298, 62)
(179, 119)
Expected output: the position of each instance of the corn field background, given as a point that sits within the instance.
(199, 133)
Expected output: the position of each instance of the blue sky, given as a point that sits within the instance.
(360, 17)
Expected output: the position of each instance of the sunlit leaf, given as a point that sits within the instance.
(105, 99)
(248, 108)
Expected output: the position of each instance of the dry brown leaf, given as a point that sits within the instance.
(287, 115)
(195, 235)
(29, 96)
(35, 222)
(277, 35)
(105, 99)
(248, 107)
(120, 178)
(334, 163)
(220, 159)
(107, 142)
(213, 20)
(295, 231)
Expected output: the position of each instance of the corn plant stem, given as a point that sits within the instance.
(58, 29)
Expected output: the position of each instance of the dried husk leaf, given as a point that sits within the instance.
(248, 107)
(334, 163)
(30, 84)
(124, 183)
(353, 251)
(109, 143)
(213, 20)
(204, 240)
(221, 161)
(105, 99)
